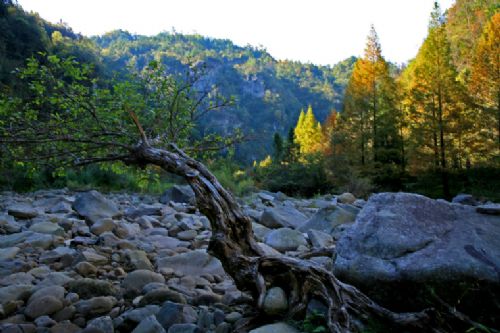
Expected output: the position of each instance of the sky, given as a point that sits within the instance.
(322, 32)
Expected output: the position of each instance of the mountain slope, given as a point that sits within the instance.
(269, 93)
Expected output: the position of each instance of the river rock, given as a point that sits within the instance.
(15, 293)
(138, 259)
(275, 328)
(93, 206)
(8, 224)
(464, 199)
(179, 194)
(275, 301)
(282, 216)
(328, 219)
(87, 288)
(9, 253)
(285, 239)
(22, 211)
(346, 198)
(95, 306)
(173, 313)
(136, 280)
(149, 325)
(45, 305)
(47, 228)
(196, 262)
(410, 241)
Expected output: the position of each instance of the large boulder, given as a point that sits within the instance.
(403, 244)
(180, 194)
(282, 216)
(93, 206)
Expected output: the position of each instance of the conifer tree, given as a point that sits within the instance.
(370, 108)
(308, 133)
(485, 78)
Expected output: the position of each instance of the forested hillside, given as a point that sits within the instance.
(268, 94)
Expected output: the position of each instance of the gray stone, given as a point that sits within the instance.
(260, 232)
(233, 317)
(62, 254)
(464, 199)
(184, 328)
(87, 288)
(489, 209)
(15, 293)
(93, 206)
(275, 301)
(187, 235)
(196, 262)
(285, 239)
(136, 280)
(54, 291)
(47, 228)
(17, 278)
(85, 268)
(172, 313)
(275, 328)
(45, 305)
(44, 321)
(95, 306)
(408, 238)
(179, 194)
(27, 238)
(9, 253)
(319, 239)
(149, 325)
(138, 259)
(94, 258)
(105, 324)
(269, 251)
(8, 224)
(101, 226)
(63, 207)
(22, 211)
(160, 296)
(55, 279)
(65, 328)
(282, 216)
(328, 219)
(137, 315)
(346, 198)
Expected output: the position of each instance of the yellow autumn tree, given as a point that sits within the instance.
(485, 80)
(308, 133)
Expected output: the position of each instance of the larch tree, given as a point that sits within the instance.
(437, 98)
(308, 133)
(485, 78)
(370, 107)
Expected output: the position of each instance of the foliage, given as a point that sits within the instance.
(308, 133)
(314, 322)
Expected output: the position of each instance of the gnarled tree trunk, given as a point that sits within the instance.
(234, 245)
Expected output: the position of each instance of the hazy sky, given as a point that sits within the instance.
(317, 31)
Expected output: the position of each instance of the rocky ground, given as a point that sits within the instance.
(87, 262)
